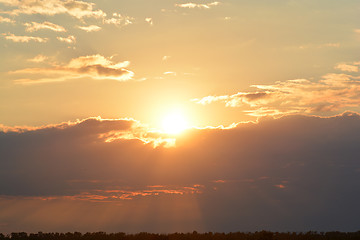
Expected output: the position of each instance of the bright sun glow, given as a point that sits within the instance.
(174, 123)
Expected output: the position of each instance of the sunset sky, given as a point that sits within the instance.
(174, 115)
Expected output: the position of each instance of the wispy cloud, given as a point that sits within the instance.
(23, 39)
(165, 58)
(196, 5)
(38, 58)
(115, 195)
(94, 67)
(347, 67)
(90, 28)
(78, 9)
(319, 46)
(118, 20)
(170, 73)
(34, 26)
(6, 20)
(70, 39)
(334, 92)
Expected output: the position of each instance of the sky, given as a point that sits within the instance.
(174, 115)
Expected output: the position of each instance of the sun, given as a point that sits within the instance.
(174, 122)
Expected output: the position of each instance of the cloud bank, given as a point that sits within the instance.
(295, 173)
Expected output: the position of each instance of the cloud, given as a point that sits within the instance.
(6, 20)
(336, 45)
(235, 99)
(90, 28)
(118, 20)
(78, 9)
(70, 39)
(23, 39)
(165, 58)
(149, 21)
(34, 26)
(116, 195)
(94, 67)
(324, 45)
(38, 58)
(347, 67)
(195, 5)
(289, 174)
(170, 73)
(331, 94)
(210, 99)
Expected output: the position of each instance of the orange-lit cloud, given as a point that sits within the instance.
(333, 92)
(319, 46)
(78, 9)
(118, 20)
(196, 5)
(90, 28)
(347, 67)
(220, 181)
(35, 26)
(165, 58)
(38, 58)
(94, 67)
(6, 20)
(235, 99)
(70, 39)
(149, 21)
(24, 39)
(115, 195)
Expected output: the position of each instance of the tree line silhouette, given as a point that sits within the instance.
(261, 235)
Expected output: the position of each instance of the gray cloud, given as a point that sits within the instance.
(295, 173)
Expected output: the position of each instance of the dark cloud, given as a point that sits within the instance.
(295, 173)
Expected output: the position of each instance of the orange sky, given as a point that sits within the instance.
(219, 62)
(173, 115)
